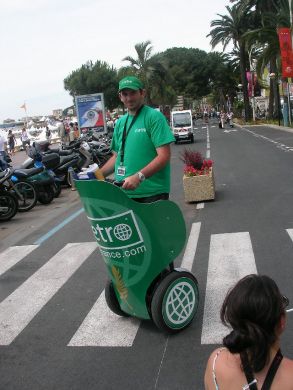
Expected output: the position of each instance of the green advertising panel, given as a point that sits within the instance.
(137, 241)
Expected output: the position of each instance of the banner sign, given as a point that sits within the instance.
(90, 111)
(286, 51)
(251, 78)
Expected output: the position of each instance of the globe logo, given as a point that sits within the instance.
(90, 114)
(122, 232)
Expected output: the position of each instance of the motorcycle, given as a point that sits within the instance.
(59, 160)
(42, 181)
(46, 162)
(8, 201)
(24, 192)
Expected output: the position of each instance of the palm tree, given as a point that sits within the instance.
(230, 28)
(142, 66)
(273, 14)
(153, 72)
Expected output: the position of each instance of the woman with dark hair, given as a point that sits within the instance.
(251, 358)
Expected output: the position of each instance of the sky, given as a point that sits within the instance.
(43, 41)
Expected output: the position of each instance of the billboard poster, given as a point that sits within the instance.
(90, 111)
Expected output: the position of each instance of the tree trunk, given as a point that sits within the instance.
(242, 59)
(271, 100)
(274, 90)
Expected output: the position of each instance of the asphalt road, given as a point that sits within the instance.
(55, 331)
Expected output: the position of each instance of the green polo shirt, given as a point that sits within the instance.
(149, 131)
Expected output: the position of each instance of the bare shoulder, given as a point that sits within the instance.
(208, 377)
(286, 373)
(216, 353)
(216, 359)
(222, 366)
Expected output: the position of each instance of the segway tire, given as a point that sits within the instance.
(175, 301)
(112, 300)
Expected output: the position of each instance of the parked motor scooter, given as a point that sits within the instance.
(8, 201)
(25, 192)
(42, 181)
(58, 161)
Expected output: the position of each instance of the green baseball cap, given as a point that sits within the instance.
(130, 82)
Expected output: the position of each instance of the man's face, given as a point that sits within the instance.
(132, 99)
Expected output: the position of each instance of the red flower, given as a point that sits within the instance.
(195, 164)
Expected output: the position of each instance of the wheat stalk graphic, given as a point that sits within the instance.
(120, 286)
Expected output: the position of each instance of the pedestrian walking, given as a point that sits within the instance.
(230, 118)
(251, 359)
(75, 130)
(11, 142)
(3, 148)
(141, 146)
(222, 119)
(71, 132)
(25, 139)
(48, 134)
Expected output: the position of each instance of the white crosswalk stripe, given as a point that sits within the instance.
(103, 328)
(19, 308)
(231, 258)
(191, 246)
(13, 255)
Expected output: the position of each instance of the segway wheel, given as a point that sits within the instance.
(112, 300)
(175, 301)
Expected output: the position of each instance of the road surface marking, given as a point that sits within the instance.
(58, 227)
(103, 328)
(20, 307)
(231, 258)
(200, 206)
(191, 246)
(13, 255)
(290, 232)
(208, 154)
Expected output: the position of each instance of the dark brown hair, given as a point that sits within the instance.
(253, 309)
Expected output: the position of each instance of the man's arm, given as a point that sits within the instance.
(158, 163)
(109, 167)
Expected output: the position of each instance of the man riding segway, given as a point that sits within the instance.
(139, 242)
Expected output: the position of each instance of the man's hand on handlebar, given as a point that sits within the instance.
(131, 182)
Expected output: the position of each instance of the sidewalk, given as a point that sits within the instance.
(277, 127)
(20, 156)
(31, 223)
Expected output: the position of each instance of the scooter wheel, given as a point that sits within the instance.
(112, 301)
(175, 301)
(57, 189)
(8, 206)
(46, 197)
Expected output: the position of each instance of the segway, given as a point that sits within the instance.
(138, 243)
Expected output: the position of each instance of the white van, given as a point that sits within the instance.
(182, 126)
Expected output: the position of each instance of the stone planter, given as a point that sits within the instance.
(199, 188)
